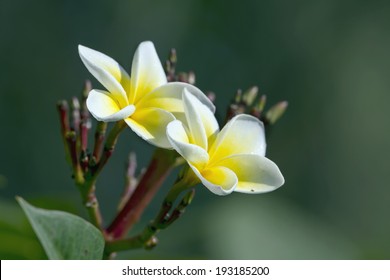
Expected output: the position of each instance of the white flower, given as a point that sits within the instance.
(232, 159)
(145, 101)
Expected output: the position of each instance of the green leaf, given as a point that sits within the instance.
(64, 235)
(18, 241)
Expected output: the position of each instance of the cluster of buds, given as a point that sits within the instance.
(185, 77)
(75, 125)
(170, 70)
(248, 103)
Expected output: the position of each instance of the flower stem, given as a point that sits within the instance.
(99, 140)
(131, 180)
(162, 163)
(86, 168)
(87, 187)
(109, 146)
(63, 111)
(146, 239)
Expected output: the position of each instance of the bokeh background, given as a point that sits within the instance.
(329, 58)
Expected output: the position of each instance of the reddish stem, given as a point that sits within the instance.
(71, 139)
(161, 165)
(99, 140)
(84, 135)
(131, 180)
(62, 108)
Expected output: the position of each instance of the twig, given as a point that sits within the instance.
(161, 165)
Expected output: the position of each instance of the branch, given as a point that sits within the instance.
(147, 239)
(162, 163)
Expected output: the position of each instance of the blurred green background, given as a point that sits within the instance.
(330, 59)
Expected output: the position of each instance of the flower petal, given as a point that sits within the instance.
(108, 72)
(104, 108)
(219, 180)
(147, 73)
(169, 98)
(178, 138)
(243, 134)
(197, 131)
(256, 174)
(150, 124)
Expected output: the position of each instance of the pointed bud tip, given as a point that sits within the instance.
(87, 87)
(211, 95)
(276, 112)
(151, 243)
(191, 78)
(250, 95)
(238, 96)
(261, 104)
(283, 104)
(187, 199)
(75, 103)
(62, 104)
(173, 56)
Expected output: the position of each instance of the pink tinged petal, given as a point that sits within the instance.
(243, 134)
(178, 138)
(150, 124)
(108, 72)
(147, 73)
(219, 180)
(104, 108)
(256, 174)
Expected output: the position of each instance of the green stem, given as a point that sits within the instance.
(100, 132)
(75, 142)
(109, 146)
(146, 239)
(87, 187)
(162, 163)
(131, 180)
(124, 244)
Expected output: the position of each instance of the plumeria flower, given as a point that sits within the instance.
(232, 159)
(145, 101)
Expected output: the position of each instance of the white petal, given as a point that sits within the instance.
(108, 72)
(147, 73)
(219, 180)
(178, 138)
(194, 120)
(169, 98)
(243, 134)
(256, 174)
(150, 124)
(104, 108)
